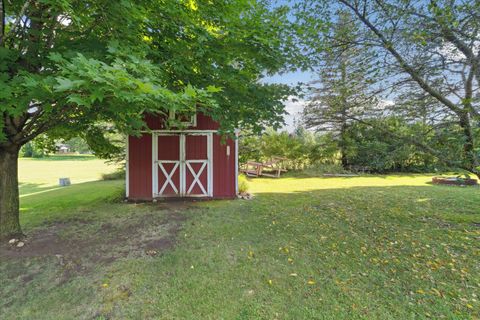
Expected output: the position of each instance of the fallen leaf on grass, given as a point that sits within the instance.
(151, 252)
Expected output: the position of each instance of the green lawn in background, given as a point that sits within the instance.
(376, 247)
(37, 175)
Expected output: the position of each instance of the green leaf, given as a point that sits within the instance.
(78, 100)
(64, 84)
(56, 57)
(190, 91)
(213, 89)
(97, 95)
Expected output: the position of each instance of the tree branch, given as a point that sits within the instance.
(2, 20)
(420, 145)
(403, 63)
(4, 36)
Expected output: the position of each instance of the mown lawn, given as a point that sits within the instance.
(386, 247)
(42, 174)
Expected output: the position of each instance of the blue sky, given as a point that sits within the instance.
(294, 109)
(291, 78)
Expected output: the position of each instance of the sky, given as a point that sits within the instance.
(294, 108)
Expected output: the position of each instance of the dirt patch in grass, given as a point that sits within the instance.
(46, 242)
(159, 244)
(79, 246)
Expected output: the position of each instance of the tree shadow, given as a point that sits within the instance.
(26, 188)
(303, 174)
(438, 202)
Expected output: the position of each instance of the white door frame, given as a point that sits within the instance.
(183, 165)
(158, 164)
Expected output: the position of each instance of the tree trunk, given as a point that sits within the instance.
(9, 198)
(471, 159)
(344, 94)
(343, 147)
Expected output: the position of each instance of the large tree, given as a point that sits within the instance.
(425, 49)
(70, 66)
(342, 92)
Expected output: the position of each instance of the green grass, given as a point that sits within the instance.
(376, 247)
(39, 175)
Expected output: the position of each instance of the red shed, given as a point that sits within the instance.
(193, 162)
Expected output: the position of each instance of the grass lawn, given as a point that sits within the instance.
(379, 247)
(38, 175)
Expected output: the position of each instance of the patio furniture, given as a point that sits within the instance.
(271, 168)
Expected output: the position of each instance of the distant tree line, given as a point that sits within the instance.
(365, 147)
(397, 89)
(43, 146)
(398, 84)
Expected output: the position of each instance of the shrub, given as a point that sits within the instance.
(243, 186)
(373, 145)
(117, 175)
(301, 148)
(32, 150)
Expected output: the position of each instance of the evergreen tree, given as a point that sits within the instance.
(342, 93)
(428, 54)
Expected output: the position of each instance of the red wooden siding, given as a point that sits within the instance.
(196, 149)
(169, 150)
(223, 168)
(140, 167)
(140, 161)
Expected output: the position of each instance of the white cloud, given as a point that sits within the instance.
(294, 107)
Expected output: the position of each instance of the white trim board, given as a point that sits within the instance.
(236, 161)
(183, 165)
(179, 131)
(154, 164)
(127, 171)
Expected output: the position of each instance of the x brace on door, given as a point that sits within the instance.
(168, 176)
(196, 176)
(183, 167)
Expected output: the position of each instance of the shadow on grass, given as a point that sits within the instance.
(343, 238)
(26, 189)
(68, 202)
(305, 174)
(452, 203)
